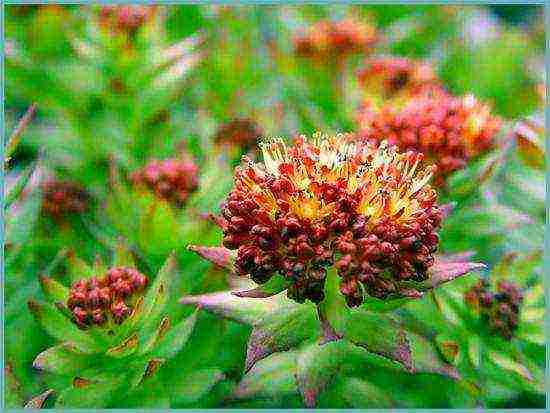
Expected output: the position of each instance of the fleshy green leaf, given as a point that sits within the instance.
(78, 269)
(124, 349)
(316, 367)
(54, 290)
(62, 359)
(273, 377)
(123, 257)
(226, 304)
(281, 331)
(61, 328)
(195, 385)
(176, 338)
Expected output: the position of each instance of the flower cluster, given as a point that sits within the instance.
(60, 198)
(93, 301)
(501, 309)
(126, 19)
(329, 39)
(327, 201)
(448, 130)
(172, 179)
(393, 77)
(241, 133)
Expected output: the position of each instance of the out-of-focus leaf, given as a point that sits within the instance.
(220, 256)
(54, 290)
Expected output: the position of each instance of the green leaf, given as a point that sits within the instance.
(195, 385)
(176, 338)
(226, 304)
(282, 330)
(53, 290)
(157, 336)
(361, 393)
(123, 257)
(449, 348)
(273, 377)
(124, 349)
(317, 365)
(390, 341)
(63, 359)
(61, 328)
(507, 363)
(94, 395)
(19, 186)
(78, 268)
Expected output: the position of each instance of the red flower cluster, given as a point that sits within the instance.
(327, 201)
(448, 130)
(501, 309)
(171, 179)
(241, 133)
(126, 19)
(92, 301)
(335, 39)
(62, 198)
(398, 77)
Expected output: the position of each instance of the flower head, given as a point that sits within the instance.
(92, 301)
(398, 78)
(327, 201)
(171, 179)
(448, 130)
(242, 133)
(335, 39)
(500, 309)
(60, 198)
(126, 19)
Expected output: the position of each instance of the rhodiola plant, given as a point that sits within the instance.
(491, 330)
(348, 232)
(111, 328)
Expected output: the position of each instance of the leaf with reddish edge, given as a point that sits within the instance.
(273, 286)
(38, 401)
(389, 342)
(281, 331)
(444, 271)
(219, 256)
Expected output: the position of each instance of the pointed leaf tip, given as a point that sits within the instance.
(442, 272)
(219, 256)
(38, 401)
(274, 286)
